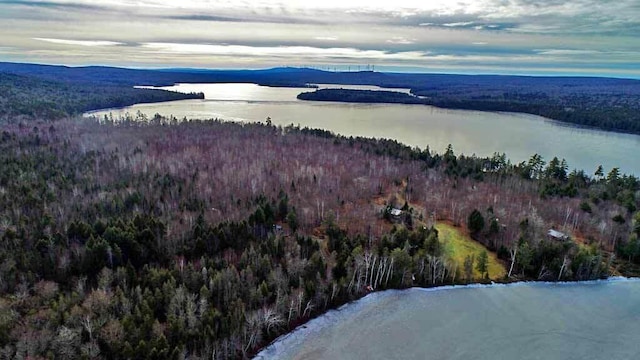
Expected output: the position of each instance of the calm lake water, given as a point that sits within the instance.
(470, 132)
(585, 321)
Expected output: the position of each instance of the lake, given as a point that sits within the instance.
(595, 320)
(470, 132)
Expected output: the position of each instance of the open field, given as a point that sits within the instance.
(458, 245)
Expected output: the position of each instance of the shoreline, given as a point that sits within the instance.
(324, 319)
(99, 114)
(554, 121)
(92, 113)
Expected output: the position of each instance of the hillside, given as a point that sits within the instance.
(139, 240)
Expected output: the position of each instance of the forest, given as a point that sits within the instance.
(29, 97)
(605, 103)
(361, 96)
(156, 238)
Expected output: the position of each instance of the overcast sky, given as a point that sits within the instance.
(584, 37)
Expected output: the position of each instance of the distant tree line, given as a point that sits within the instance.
(609, 111)
(361, 96)
(617, 111)
(31, 97)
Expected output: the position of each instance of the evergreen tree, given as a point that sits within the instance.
(475, 222)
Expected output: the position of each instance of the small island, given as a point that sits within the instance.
(362, 96)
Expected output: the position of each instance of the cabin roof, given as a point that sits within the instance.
(557, 234)
(396, 212)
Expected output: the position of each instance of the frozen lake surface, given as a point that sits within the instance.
(593, 320)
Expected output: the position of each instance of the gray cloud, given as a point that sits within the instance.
(52, 5)
(251, 19)
(486, 35)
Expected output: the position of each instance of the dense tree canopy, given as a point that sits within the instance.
(159, 239)
(125, 254)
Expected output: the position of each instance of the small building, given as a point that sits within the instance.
(557, 235)
(395, 212)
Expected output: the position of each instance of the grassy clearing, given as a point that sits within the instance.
(459, 245)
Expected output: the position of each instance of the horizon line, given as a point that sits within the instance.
(327, 69)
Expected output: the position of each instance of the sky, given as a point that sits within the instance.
(547, 37)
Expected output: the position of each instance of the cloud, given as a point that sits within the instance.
(529, 16)
(53, 4)
(200, 17)
(281, 51)
(567, 52)
(400, 40)
(459, 24)
(243, 18)
(326, 38)
(477, 34)
(80, 42)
